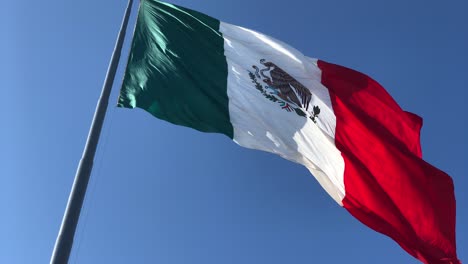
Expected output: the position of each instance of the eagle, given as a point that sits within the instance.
(286, 87)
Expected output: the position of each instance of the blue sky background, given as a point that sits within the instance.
(161, 193)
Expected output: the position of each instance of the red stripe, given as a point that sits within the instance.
(388, 186)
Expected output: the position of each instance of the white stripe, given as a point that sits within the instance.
(260, 123)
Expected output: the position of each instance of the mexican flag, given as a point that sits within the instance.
(192, 70)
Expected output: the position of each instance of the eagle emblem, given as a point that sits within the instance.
(280, 87)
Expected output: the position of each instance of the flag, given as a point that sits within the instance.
(193, 70)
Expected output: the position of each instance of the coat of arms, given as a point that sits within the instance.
(280, 87)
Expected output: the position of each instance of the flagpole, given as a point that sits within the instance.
(64, 242)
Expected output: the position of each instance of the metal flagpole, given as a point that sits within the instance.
(64, 242)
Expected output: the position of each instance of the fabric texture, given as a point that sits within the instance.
(364, 150)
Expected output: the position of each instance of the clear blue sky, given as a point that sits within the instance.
(167, 194)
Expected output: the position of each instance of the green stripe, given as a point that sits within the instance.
(177, 70)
